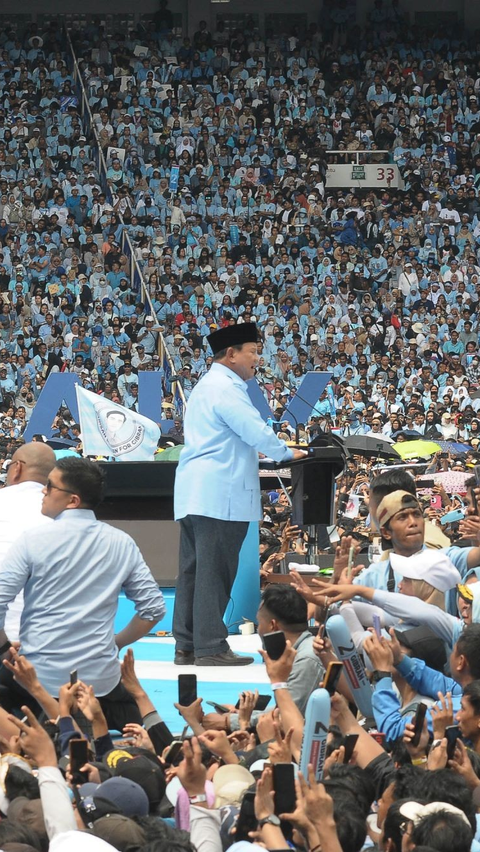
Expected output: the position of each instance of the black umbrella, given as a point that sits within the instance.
(410, 434)
(366, 445)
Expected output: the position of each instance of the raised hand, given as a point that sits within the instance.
(35, 741)
(67, 698)
(246, 707)
(191, 771)
(23, 671)
(279, 751)
(88, 702)
(442, 715)
(342, 554)
(129, 677)
(379, 651)
(318, 804)
(193, 713)
(264, 795)
(217, 742)
(139, 736)
(408, 735)
(279, 670)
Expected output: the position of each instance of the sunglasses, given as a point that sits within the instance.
(49, 486)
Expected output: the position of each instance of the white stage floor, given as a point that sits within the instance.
(222, 684)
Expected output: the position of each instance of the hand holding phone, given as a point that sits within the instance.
(274, 644)
(261, 703)
(247, 820)
(78, 757)
(452, 734)
(332, 676)
(173, 752)
(418, 721)
(219, 708)
(285, 795)
(284, 786)
(187, 689)
(349, 745)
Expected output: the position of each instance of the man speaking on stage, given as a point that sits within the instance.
(217, 494)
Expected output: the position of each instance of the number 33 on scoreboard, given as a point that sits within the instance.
(385, 174)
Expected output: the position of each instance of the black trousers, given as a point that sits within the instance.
(209, 552)
(118, 705)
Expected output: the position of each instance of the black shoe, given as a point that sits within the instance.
(184, 658)
(227, 658)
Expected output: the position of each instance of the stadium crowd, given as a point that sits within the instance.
(380, 287)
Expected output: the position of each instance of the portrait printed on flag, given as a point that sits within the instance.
(121, 433)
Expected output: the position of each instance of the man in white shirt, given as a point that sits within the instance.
(21, 509)
(451, 216)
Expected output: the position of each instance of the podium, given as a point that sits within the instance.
(312, 481)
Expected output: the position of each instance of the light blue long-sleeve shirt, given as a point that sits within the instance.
(413, 611)
(376, 575)
(426, 682)
(72, 573)
(217, 475)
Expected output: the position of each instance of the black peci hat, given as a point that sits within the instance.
(233, 335)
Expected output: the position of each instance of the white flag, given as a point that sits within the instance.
(109, 429)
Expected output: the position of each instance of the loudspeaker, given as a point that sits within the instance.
(313, 487)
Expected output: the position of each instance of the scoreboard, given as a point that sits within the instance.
(383, 176)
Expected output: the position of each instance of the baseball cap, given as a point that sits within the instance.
(145, 772)
(125, 795)
(393, 503)
(119, 832)
(431, 566)
(415, 812)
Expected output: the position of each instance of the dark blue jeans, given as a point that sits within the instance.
(209, 551)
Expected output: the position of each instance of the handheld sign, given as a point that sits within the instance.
(314, 743)
(174, 175)
(353, 667)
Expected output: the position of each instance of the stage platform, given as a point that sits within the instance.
(158, 674)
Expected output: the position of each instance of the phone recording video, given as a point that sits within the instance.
(332, 676)
(274, 644)
(187, 689)
(78, 757)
